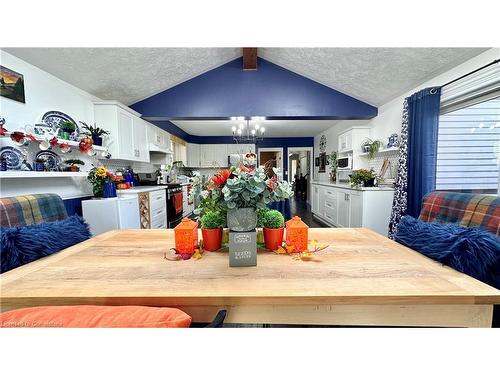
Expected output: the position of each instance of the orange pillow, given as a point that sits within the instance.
(87, 316)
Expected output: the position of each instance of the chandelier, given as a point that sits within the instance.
(248, 129)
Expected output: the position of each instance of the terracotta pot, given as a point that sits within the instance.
(212, 239)
(273, 238)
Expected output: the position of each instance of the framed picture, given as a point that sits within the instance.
(322, 163)
(316, 162)
(11, 84)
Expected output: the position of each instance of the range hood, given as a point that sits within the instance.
(156, 149)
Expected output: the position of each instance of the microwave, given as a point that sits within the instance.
(344, 162)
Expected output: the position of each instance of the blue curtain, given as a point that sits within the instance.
(423, 123)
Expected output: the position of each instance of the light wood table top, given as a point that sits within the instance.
(360, 267)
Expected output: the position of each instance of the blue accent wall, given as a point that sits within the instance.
(270, 91)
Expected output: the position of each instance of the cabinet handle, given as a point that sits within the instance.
(347, 197)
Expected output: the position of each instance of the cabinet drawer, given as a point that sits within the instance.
(159, 221)
(330, 217)
(158, 199)
(330, 194)
(158, 212)
(330, 203)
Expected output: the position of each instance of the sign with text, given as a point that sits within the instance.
(242, 249)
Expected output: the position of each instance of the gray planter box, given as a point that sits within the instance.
(242, 249)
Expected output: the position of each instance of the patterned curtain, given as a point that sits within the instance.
(400, 201)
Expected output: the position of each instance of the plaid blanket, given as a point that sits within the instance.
(468, 210)
(31, 209)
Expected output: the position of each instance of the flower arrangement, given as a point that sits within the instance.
(98, 177)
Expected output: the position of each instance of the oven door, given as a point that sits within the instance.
(174, 208)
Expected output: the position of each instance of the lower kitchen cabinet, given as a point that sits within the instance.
(352, 208)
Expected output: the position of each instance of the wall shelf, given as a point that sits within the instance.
(34, 174)
(384, 151)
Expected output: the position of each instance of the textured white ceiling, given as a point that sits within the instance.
(125, 74)
(374, 75)
(274, 128)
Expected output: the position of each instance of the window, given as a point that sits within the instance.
(469, 149)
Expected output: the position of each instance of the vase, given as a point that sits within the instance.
(212, 239)
(242, 219)
(97, 141)
(333, 178)
(365, 148)
(369, 183)
(273, 238)
(109, 190)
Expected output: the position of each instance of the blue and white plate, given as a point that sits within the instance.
(13, 156)
(56, 118)
(51, 160)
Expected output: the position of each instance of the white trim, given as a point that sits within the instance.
(277, 149)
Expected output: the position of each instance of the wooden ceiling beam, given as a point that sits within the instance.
(249, 58)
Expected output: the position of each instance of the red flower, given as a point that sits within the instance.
(221, 177)
(2, 130)
(53, 142)
(271, 184)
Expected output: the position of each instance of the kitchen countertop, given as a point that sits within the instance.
(348, 186)
(141, 189)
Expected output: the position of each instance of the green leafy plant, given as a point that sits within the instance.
(250, 187)
(68, 127)
(74, 161)
(371, 147)
(360, 176)
(261, 214)
(273, 219)
(213, 219)
(332, 161)
(93, 131)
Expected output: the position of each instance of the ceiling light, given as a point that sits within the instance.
(253, 131)
(233, 129)
(257, 126)
(240, 131)
(240, 118)
(481, 125)
(262, 130)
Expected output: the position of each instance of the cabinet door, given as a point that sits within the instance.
(206, 156)
(315, 199)
(343, 204)
(193, 155)
(356, 214)
(141, 149)
(125, 136)
(220, 155)
(348, 141)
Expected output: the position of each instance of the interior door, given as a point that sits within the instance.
(273, 156)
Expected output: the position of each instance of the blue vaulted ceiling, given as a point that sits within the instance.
(270, 91)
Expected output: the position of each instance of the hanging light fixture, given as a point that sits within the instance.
(246, 132)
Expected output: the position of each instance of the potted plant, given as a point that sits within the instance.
(273, 223)
(212, 223)
(246, 190)
(102, 182)
(371, 147)
(332, 161)
(73, 164)
(363, 177)
(67, 128)
(261, 213)
(94, 132)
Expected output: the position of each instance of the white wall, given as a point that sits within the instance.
(388, 120)
(45, 92)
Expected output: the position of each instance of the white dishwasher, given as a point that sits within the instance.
(111, 213)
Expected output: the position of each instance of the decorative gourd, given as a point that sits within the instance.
(296, 234)
(186, 237)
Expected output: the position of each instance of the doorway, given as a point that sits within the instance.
(300, 170)
(271, 158)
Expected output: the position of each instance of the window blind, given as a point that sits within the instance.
(469, 148)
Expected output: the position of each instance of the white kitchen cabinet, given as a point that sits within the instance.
(213, 155)
(158, 137)
(345, 141)
(128, 132)
(140, 144)
(241, 149)
(344, 207)
(193, 155)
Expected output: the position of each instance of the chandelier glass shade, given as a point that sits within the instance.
(248, 130)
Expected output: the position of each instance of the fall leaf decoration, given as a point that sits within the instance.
(314, 247)
(197, 254)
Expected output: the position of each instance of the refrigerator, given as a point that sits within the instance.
(104, 215)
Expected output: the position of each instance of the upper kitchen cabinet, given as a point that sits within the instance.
(128, 132)
(352, 139)
(193, 155)
(213, 155)
(159, 139)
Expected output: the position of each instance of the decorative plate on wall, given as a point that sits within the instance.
(51, 160)
(13, 156)
(322, 144)
(56, 118)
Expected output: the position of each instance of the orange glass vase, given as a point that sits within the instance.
(186, 237)
(296, 234)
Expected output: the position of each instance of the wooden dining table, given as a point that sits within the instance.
(361, 278)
